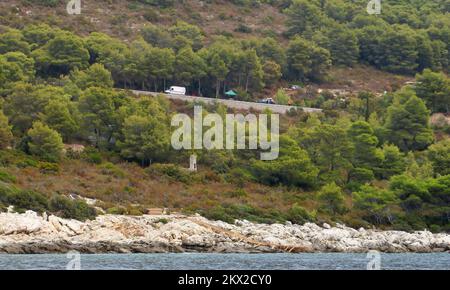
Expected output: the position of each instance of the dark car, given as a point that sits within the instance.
(267, 101)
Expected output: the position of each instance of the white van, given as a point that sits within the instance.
(176, 91)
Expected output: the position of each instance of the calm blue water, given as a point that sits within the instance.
(322, 261)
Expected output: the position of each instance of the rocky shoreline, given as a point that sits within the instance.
(30, 233)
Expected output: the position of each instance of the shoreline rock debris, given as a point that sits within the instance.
(29, 233)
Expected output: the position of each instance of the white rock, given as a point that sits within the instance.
(198, 241)
(196, 232)
(54, 221)
(13, 223)
(335, 234)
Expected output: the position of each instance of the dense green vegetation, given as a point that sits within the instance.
(367, 159)
(408, 37)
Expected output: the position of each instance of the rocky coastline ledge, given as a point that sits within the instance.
(30, 233)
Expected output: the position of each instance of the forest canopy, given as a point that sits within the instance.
(379, 158)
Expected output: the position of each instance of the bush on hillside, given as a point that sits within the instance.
(71, 209)
(24, 200)
(6, 177)
(172, 171)
(298, 215)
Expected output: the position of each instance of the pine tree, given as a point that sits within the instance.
(6, 136)
(45, 142)
(407, 123)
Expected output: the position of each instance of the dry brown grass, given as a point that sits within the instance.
(137, 186)
(364, 78)
(122, 19)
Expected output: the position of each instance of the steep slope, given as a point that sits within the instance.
(124, 18)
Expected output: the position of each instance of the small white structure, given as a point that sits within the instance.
(176, 91)
(193, 163)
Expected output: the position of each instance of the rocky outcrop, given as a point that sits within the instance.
(31, 233)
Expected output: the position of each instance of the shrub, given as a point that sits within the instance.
(402, 225)
(18, 158)
(355, 222)
(292, 168)
(172, 171)
(210, 176)
(118, 210)
(376, 204)
(298, 215)
(151, 15)
(6, 177)
(135, 211)
(237, 193)
(333, 199)
(229, 212)
(27, 200)
(243, 28)
(218, 213)
(59, 205)
(435, 229)
(238, 176)
(358, 177)
(92, 155)
(72, 209)
(439, 156)
(45, 142)
(48, 168)
(71, 154)
(28, 162)
(282, 98)
(50, 3)
(110, 169)
(413, 202)
(219, 161)
(405, 186)
(5, 191)
(6, 136)
(163, 221)
(159, 3)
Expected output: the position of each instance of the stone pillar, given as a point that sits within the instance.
(193, 163)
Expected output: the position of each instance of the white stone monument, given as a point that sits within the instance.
(193, 163)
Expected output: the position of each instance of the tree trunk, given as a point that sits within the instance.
(97, 138)
(367, 110)
(246, 84)
(199, 88)
(217, 88)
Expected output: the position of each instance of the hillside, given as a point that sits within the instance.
(125, 18)
(376, 154)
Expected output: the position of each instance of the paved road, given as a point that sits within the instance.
(280, 109)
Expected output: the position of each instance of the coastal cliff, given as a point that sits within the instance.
(32, 234)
